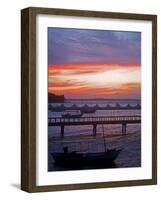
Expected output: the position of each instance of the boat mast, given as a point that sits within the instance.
(104, 141)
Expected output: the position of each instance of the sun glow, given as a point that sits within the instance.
(98, 80)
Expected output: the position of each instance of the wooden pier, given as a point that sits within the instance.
(94, 121)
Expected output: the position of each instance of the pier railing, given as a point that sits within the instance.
(57, 121)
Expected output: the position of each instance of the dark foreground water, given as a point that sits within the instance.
(79, 138)
(129, 157)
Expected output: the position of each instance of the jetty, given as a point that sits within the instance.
(94, 121)
(91, 109)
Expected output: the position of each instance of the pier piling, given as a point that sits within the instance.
(62, 131)
(94, 129)
(124, 128)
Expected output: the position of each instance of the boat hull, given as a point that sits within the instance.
(76, 158)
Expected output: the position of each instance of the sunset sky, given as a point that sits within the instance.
(86, 63)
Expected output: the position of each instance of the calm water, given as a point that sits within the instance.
(80, 138)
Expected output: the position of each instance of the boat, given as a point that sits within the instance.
(87, 109)
(78, 158)
(84, 158)
(72, 114)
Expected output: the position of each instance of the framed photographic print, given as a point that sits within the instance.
(89, 99)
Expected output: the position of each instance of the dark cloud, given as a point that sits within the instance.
(93, 46)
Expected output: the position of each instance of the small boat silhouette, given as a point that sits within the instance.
(84, 158)
(72, 114)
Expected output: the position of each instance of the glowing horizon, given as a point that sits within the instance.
(90, 70)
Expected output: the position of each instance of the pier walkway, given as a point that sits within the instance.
(94, 121)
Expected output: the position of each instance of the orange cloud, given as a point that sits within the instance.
(87, 91)
(59, 69)
(77, 81)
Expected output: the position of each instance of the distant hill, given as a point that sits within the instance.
(53, 98)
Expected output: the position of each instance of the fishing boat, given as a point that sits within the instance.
(87, 109)
(72, 114)
(84, 158)
(78, 158)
